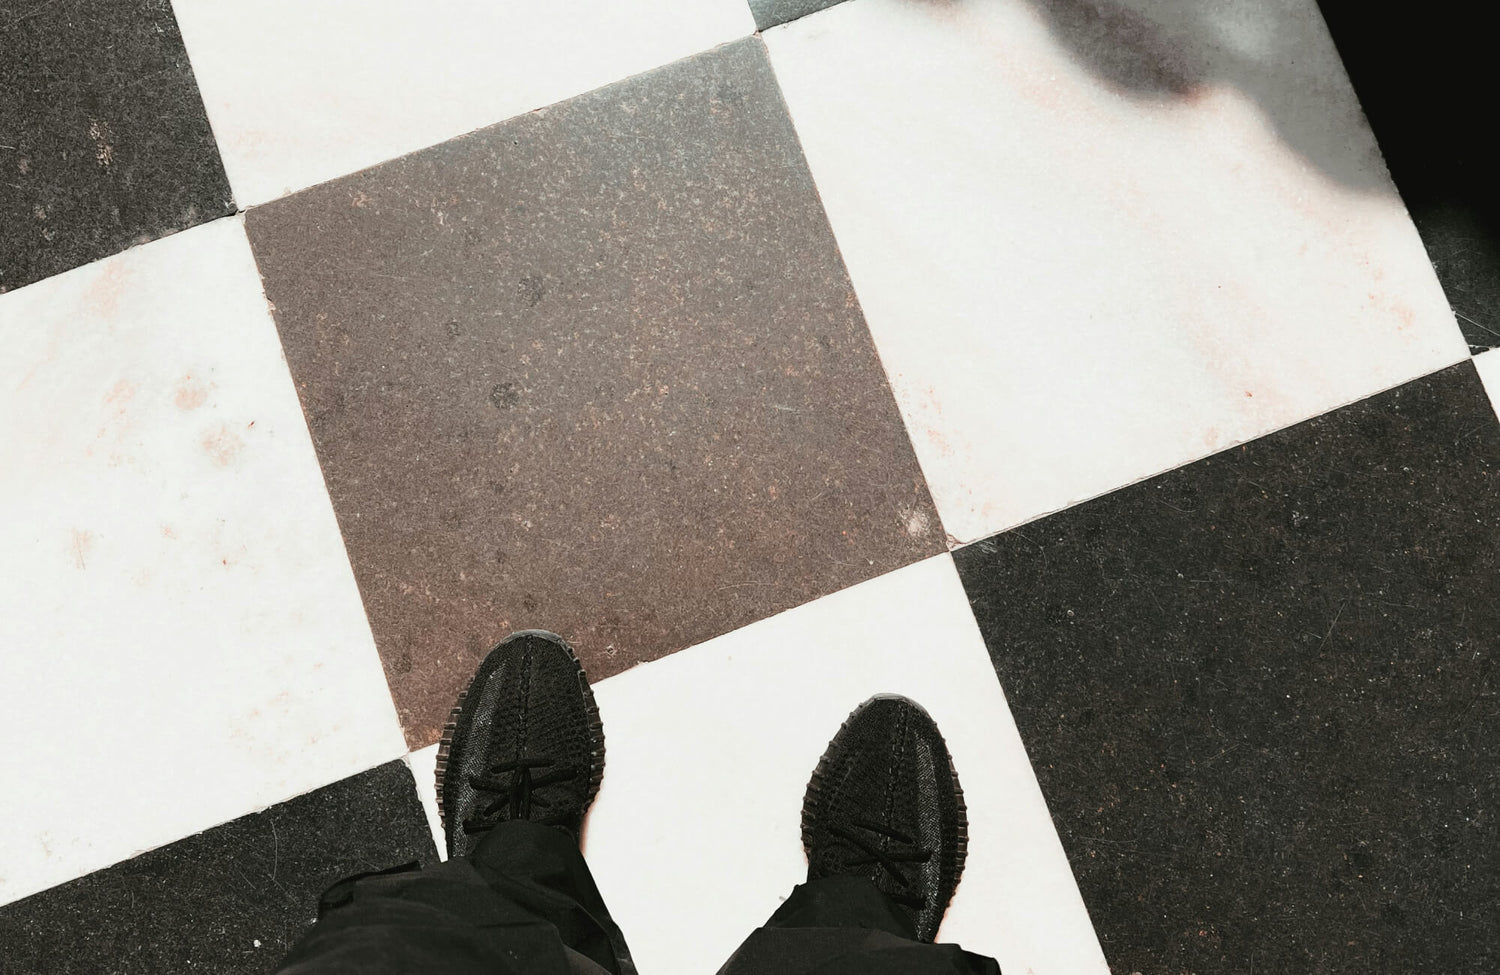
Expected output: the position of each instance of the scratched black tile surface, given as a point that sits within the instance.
(598, 369)
(231, 899)
(1426, 79)
(1464, 246)
(1259, 693)
(103, 139)
(769, 13)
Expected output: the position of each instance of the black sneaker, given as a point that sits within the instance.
(523, 742)
(884, 803)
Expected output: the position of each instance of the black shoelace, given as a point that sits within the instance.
(514, 786)
(888, 859)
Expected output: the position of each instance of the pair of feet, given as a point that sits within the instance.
(884, 803)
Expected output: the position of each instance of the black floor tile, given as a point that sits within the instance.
(769, 13)
(1426, 81)
(103, 139)
(231, 899)
(1260, 693)
(1464, 246)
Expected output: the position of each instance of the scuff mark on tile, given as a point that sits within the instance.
(83, 541)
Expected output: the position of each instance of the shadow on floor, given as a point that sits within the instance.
(1421, 81)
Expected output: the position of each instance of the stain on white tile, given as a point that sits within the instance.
(1095, 241)
(710, 750)
(299, 92)
(183, 639)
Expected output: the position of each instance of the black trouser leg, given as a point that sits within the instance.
(846, 926)
(524, 902)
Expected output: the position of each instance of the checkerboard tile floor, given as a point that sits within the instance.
(1074, 368)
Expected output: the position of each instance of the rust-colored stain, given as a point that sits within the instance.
(102, 297)
(190, 394)
(116, 406)
(930, 430)
(222, 445)
(120, 393)
(83, 541)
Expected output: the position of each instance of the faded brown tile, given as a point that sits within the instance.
(597, 369)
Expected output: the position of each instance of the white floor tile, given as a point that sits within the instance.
(423, 765)
(1488, 366)
(182, 637)
(695, 838)
(301, 91)
(1078, 276)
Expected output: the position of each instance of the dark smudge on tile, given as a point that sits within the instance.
(103, 139)
(598, 369)
(1260, 693)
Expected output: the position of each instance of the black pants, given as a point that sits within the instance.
(525, 904)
